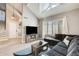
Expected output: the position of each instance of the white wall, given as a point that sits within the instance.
(11, 25)
(29, 19)
(72, 18)
(12, 30)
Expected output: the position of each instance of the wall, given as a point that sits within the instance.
(29, 19)
(72, 18)
(11, 25)
(40, 28)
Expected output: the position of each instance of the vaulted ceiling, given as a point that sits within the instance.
(18, 7)
(37, 9)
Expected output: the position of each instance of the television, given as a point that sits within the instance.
(31, 30)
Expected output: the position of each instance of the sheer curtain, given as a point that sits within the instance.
(53, 27)
(65, 29)
(50, 28)
(44, 29)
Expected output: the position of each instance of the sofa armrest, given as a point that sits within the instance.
(51, 41)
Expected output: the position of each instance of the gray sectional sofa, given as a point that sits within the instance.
(61, 49)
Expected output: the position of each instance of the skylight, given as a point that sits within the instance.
(54, 5)
(50, 6)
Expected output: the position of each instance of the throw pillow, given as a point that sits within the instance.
(66, 41)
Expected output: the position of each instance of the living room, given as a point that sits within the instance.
(35, 29)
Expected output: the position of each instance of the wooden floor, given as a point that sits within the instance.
(7, 48)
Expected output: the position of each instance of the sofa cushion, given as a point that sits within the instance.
(73, 49)
(53, 53)
(62, 36)
(62, 44)
(66, 41)
(58, 50)
(61, 48)
(74, 52)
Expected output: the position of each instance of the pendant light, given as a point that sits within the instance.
(13, 15)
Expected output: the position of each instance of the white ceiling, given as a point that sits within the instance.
(36, 8)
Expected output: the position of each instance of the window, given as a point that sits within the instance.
(52, 27)
(2, 15)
